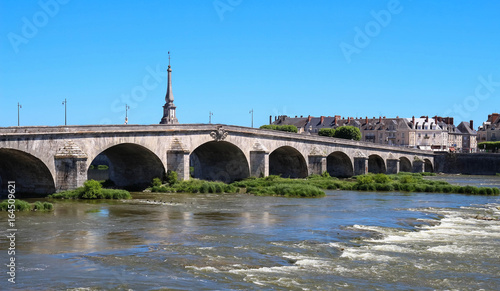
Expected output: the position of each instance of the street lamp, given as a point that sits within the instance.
(65, 102)
(210, 114)
(126, 113)
(251, 111)
(19, 106)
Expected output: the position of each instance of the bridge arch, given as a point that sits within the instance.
(376, 164)
(287, 162)
(219, 161)
(428, 166)
(338, 164)
(31, 175)
(132, 165)
(405, 165)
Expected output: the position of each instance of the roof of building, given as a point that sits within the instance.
(465, 128)
(382, 123)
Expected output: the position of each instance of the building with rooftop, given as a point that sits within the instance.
(436, 134)
(490, 130)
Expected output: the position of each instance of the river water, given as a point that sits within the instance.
(345, 241)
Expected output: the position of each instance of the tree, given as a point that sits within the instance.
(327, 132)
(348, 132)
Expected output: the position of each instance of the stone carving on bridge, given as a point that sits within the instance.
(70, 150)
(359, 154)
(258, 147)
(316, 152)
(177, 146)
(219, 135)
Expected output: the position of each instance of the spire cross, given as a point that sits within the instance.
(169, 58)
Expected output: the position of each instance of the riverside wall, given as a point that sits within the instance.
(469, 164)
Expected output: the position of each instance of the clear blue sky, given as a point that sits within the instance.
(350, 58)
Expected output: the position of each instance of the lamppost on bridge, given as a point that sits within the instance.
(126, 113)
(65, 102)
(210, 114)
(19, 106)
(251, 111)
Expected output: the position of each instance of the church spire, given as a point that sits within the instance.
(169, 97)
(169, 107)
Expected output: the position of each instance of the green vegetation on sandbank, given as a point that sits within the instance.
(21, 205)
(192, 186)
(92, 190)
(272, 185)
(314, 185)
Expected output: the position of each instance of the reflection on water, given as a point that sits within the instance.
(347, 240)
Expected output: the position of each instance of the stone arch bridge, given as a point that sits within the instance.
(48, 159)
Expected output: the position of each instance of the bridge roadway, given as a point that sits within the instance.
(45, 159)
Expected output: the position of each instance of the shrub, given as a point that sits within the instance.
(430, 188)
(288, 128)
(48, 206)
(381, 178)
(21, 205)
(325, 174)
(38, 206)
(171, 177)
(491, 146)
(156, 182)
(297, 190)
(427, 174)
(364, 179)
(420, 187)
(91, 190)
(384, 187)
(470, 190)
(204, 188)
(102, 167)
(406, 179)
(327, 132)
(115, 194)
